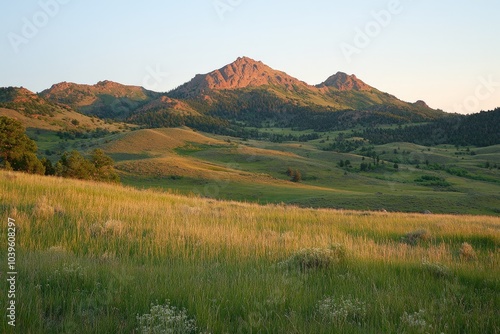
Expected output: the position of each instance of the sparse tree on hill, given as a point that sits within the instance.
(296, 176)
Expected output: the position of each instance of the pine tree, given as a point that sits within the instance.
(17, 150)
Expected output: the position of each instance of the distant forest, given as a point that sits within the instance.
(482, 129)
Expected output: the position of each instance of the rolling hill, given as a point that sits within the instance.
(36, 112)
(105, 99)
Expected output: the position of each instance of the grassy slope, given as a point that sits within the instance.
(62, 120)
(91, 256)
(228, 168)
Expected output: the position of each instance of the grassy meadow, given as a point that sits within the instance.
(99, 258)
(184, 161)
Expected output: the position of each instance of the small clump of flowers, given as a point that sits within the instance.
(342, 310)
(416, 322)
(166, 319)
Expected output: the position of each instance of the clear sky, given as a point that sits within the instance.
(445, 52)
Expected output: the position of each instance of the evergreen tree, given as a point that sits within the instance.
(74, 165)
(103, 167)
(28, 162)
(49, 168)
(17, 150)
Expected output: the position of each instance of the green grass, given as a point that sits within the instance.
(204, 159)
(332, 186)
(91, 257)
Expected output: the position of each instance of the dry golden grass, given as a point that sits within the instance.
(60, 121)
(254, 151)
(248, 230)
(158, 141)
(130, 247)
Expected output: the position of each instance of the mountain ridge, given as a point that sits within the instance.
(339, 91)
(247, 91)
(103, 99)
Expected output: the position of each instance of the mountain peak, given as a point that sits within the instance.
(421, 104)
(242, 73)
(246, 59)
(17, 94)
(345, 82)
(107, 83)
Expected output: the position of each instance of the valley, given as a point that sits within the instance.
(188, 162)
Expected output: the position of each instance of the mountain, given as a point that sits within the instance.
(26, 102)
(244, 92)
(105, 99)
(243, 73)
(33, 111)
(167, 104)
(344, 82)
(250, 91)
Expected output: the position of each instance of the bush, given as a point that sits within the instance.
(98, 168)
(416, 237)
(313, 258)
(432, 181)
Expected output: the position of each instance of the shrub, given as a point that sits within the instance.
(316, 258)
(416, 237)
(166, 319)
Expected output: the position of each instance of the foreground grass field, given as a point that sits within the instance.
(94, 258)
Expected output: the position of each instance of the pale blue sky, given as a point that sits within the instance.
(444, 52)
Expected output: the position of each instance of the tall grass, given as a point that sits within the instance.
(94, 258)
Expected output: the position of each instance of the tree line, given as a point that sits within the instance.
(480, 129)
